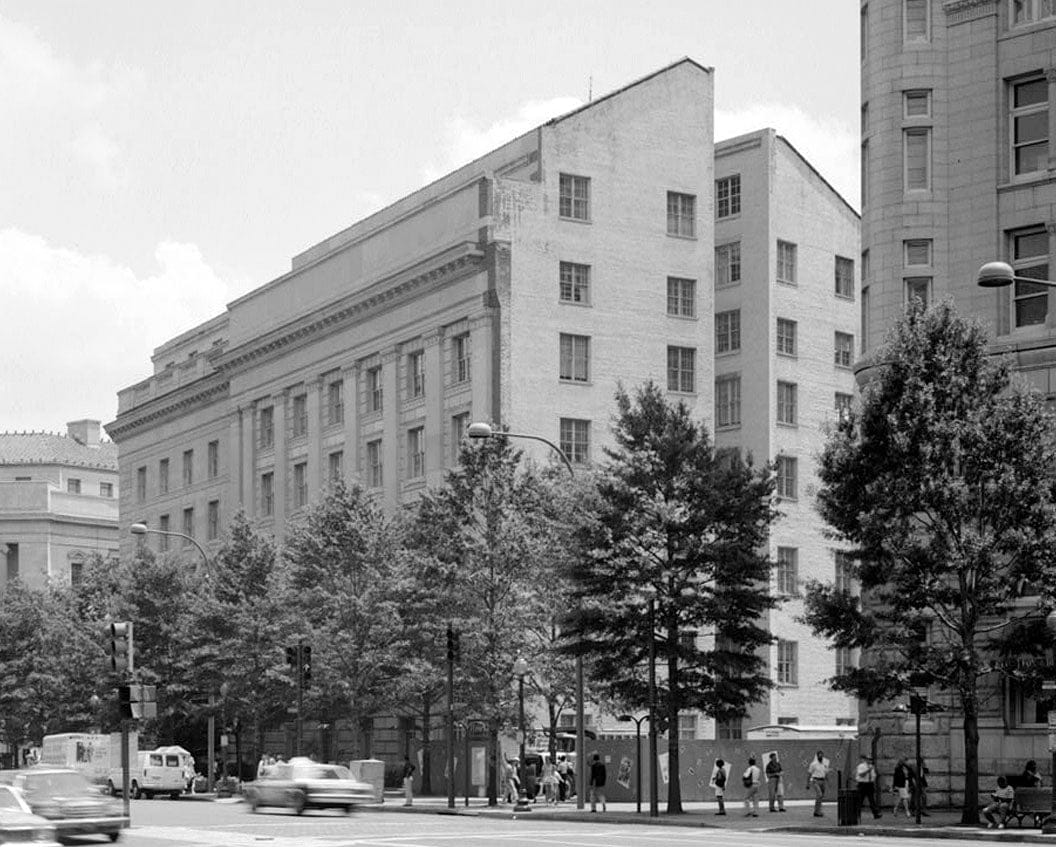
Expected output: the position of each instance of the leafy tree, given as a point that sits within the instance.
(486, 560)
(342, 586)
(943, 484)
(688, 529)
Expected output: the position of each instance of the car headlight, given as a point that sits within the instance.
(44, 834)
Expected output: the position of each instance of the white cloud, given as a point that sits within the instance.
(78, 327)
(464, 142)
(831, 146)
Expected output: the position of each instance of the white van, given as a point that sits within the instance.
(157, 772)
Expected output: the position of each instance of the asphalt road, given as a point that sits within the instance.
(165, 823)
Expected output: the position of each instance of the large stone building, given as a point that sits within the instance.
(958, 169)
(521, 289)
(58, 503)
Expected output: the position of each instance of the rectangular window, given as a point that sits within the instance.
(916, 252)
(188, 525)
(786, 337)
(728, 264)
(106, 489)
(1026, 707)
(844, 660)
(141, 484)
(681, 369)
(915, 20)
(729, 730)
(1029, 11)
(574, 286)
(728, 331)
(728, 196)
(575, 439)
(12, 570)
(416, 374)
(1029, 124)
(843, 405)
(73, 486)
(787, 662)
(786, 403)
(267, 494)
(843, 564)
(728, 401)
(786, 262)
(335, 466)
(844, 349)
(574, 197)
(787, 485)
(188, 467)
(300, 415)
(916, 104)
(416, 453)
(687, 727)
(918, 288)
(212, 455)
(844, 274)
(335, 402)
(375, 477)
(374, 389)
(459, 425)
(681, 214)
(267, 427)
(917, 152)
(163, 476)
(163, 540)
(681, 297)
(1030, 258)
(300, 485)
(460, 357)
(575, 358)
(212, 530)
(788, 570)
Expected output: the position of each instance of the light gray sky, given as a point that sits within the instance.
(159, 159)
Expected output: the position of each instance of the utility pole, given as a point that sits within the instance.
(453, 638)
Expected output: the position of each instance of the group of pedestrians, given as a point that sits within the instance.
(752, 780)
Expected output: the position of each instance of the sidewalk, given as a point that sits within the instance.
(941, 823)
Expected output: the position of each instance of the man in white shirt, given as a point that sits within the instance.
(752, 779)
(817, 773)
(865, 776)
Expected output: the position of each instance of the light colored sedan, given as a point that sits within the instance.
(302, 784)
(19, 825)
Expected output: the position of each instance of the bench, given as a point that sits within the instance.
(1034, 803)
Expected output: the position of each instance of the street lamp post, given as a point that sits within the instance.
(520, 670)
(637, 756)
(484, 430)
(143, 529)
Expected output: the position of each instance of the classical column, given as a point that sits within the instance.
(315, 438)
(282, 461)
(482, 370)
(350, 375)
(233, 495)
(390, 415)
(247, 458)
(435, 460)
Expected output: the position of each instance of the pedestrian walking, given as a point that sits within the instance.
(817, 776)
(901, 780)
(775, 784)
(597, 783)
(550, 783)
(919, 788)
(865, 776)
(408, 781)
(752, 779)
(562, 773)
(719, 775)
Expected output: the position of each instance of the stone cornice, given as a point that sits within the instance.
(199, 393)
(960, 11)
(450, 263)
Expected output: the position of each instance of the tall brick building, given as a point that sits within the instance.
(958, 169)
(521, 289)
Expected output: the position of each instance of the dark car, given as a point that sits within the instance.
(70, 804)
(18, 825)
(303, 784)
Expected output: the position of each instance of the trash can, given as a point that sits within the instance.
(847, 807)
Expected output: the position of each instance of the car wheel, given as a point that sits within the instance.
(175, 795)
(114, 835)
(254, 803)
(297, 802)
(134, 791)
(349, 809)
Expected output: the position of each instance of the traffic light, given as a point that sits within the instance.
(137, 701)
(291, 656)
(454, 645)
(121, 646)
(306, 665)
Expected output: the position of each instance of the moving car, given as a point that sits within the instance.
(71, 805)
(303, 784)
(19, 825)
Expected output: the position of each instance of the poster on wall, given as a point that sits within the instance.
(662, 760)
(477, 776)
(623, 775)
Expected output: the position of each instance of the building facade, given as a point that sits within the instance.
(959, 169)
(59, 499)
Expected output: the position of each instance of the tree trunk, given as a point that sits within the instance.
(674, 786)
(970, 809)
(493, 763)
(427, 758)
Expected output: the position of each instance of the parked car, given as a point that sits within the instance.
(303, 784)
(18, 824)
(69, 802)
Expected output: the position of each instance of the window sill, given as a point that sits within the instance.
(848, 297)
(682, 317)
(566, 381)
(682, 393)
(721, 286)
(578, 303)
(728, 427)
(731, 217)
(681, 237)
(788, 283)
(574, 220)
(785, 355)
(788, 425)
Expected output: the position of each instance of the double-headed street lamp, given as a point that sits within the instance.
(483, 430)
(637, 756)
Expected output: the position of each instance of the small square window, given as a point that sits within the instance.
(728, 331)
(574, 197)
(728, 196)
(574, 285)
(786, 337)
(681, 369)
(681, 297)
(575, 439)
(727, 264)
(575, 358)
(681, 214)
(844, 349)
(916, 252)
(73, 486)
(916, 104)
(918, 288)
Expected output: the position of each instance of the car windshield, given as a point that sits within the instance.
(8, 800)
(56, 783)
(323, 772)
